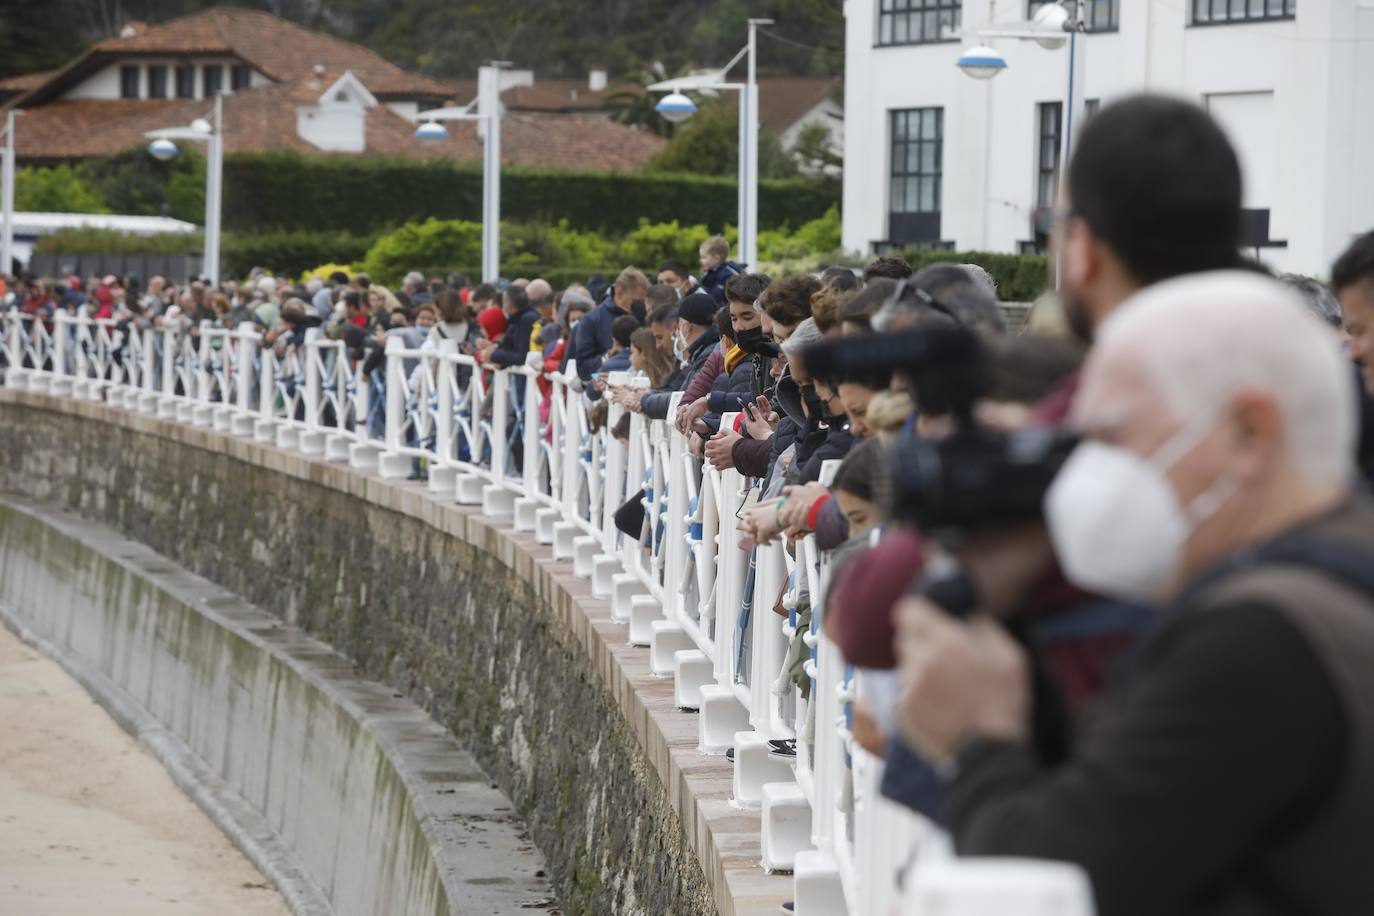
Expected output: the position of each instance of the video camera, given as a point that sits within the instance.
(975, 476)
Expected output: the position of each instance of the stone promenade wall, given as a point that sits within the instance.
(476, 623)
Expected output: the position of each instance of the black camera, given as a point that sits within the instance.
(974, 476)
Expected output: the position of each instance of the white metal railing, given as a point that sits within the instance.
(522, 443)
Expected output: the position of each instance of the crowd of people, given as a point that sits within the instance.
(1108, 582)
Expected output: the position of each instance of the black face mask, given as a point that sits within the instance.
(751, 340)
(815, 404)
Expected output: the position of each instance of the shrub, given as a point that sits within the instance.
(293, 190)
(455, 243)
(60, 189)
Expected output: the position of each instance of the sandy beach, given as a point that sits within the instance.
(91, 823)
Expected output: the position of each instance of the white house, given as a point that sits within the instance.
(934, 157)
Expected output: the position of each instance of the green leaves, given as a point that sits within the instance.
(59, 189)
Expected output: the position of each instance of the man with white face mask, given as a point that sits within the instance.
(1235, 770)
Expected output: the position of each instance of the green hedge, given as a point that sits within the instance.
(293, 191)
(289, 252)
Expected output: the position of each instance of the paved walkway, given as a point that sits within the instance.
(91, 823)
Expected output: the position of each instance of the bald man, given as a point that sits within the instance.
(540, 294)
(1234, 773)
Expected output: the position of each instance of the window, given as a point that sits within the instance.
(913, 22)
(1049, 118)
(1211, 12)
(239, 76)
(186, 82)
(213, 79)
(157, 81)
(917, 166)
(1098, 15)
(128, 82)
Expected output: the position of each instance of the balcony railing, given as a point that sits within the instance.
(477, 436)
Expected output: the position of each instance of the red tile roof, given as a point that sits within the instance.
(257, 120)
(26, 81)
(280, 49)
(783, 102)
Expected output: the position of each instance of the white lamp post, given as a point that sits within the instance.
(164, 148)
(677, 107)
(7, 195)
(1052, 27)
(488, 116)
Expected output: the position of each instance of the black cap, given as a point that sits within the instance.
(699, 309)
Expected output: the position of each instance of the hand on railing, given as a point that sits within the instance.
(690, 413)
(720, 449)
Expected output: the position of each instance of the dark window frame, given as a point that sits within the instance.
(1049, 144)
(157, 81)
(907, 22)
(1095, 7)
(1288, 12)
(184, 81)
(240, 77)
(130, 81)
(218, 71)
(915, 170)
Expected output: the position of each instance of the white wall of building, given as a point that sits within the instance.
(1295, 95)
(104, 83)
(408, 110)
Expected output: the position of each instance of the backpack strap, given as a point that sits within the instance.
(1349, 565)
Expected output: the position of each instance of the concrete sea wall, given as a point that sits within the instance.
(477, 624)
(351, 800)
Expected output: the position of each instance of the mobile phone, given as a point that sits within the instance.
(749, 412)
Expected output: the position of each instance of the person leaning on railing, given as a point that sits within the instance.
(696, 337)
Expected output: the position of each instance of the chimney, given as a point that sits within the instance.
(596, 79)
(132, 28)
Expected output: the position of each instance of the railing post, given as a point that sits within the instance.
(500, 404)
(14, 344)
(61, 324)
(393, 461)
(534, 429)
(200, 410)
(241, 424)
(312, 437)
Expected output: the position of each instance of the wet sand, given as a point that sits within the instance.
(90, 823)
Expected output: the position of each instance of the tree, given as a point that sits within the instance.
(59, 189)
(708, 144)
(814, 153)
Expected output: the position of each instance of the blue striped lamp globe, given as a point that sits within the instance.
(163, 150)
(431, 130)
(982, 62)
(676, 107)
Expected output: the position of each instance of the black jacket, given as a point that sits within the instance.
(655, 403)
(515, 343)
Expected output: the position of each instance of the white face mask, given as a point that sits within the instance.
(1117, 524)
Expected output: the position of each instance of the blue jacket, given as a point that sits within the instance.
(515, 343)
(713, 280)
(618, 363)
(593, 337)
(732, 392)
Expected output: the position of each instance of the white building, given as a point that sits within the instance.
(934, 157)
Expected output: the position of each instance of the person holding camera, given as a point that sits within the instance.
(1233, 771)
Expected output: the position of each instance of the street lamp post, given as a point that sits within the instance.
(211, 133)
(488, 118)
(7, 195)
(1053, 27)
(678, 107)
